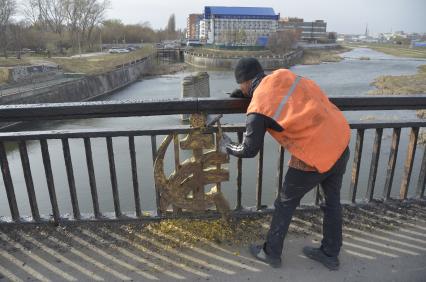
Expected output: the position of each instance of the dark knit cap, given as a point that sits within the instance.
(247, 69)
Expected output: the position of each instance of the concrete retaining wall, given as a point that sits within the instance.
(82, 89)
(217, 62)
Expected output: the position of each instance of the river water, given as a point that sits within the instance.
(350, 77)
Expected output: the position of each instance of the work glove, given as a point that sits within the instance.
(237, 93)
(223, 143)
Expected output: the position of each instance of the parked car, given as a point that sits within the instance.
(131, 48)
(118, 50)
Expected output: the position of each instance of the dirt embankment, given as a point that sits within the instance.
(315, 57)
(403, 84)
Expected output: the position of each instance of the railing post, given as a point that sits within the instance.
(422, 177)
(71, 179)
(392, 162)
(280, 171)
(356, 164)
(408, 167)
(92, 179)
(29, 180)
(259, 180)
(49, 178)
(113, 176)
(154, 157)
(374, 163)
(135, 176)
(239, 175)
(8, 184)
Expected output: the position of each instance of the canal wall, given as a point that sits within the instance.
(83, 88)
(229, 62)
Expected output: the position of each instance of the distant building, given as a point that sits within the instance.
(193, 27)
(309, 31)
(237, 25)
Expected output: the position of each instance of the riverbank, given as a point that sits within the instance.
(392, 49)
(404, 84)
(316, 57)
(88, 65)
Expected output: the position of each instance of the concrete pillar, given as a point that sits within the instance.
(195, 86)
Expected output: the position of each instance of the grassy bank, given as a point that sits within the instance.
(404, 84)
(100, 64)
(395, 50)
(315, 57)
(88, 65)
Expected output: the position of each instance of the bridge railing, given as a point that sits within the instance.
(19, 113)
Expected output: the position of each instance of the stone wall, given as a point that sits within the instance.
(223, 62)
(197, 85)
(82, 89)
(25, 74)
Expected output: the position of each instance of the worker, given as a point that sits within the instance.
(300, 117)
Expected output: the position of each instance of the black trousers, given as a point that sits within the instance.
(296, 184)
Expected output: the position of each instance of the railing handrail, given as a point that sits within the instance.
(177, 129)
(103, 109)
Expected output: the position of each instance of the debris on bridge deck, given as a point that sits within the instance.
(381, 242)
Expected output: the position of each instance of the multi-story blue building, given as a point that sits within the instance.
(237, 25)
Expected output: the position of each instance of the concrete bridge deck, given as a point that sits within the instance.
(381, 243)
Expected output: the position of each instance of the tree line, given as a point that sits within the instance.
(69, 26)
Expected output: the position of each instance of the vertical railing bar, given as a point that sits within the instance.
(92, 179)
(259, 180)
(113, 176)
(392, 163)
(356, 165)
(422, 177)
(70, 176)
(218, 166)
(317, 195)
(29, 180)
(374, 164)
(154, 157)
(8, 184)
(49, 178)
(176, 210)
(135, 176)
(408, 167)
(176, 151)
(280, 171)
(239, 175)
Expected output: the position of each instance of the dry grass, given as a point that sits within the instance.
(404, 84)
(315, 57)
(4, 75)
(100, 64)
(88, 65)
(395, 50)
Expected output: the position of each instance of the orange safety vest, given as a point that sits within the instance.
(315, 130)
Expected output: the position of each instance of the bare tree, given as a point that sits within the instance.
(283, 41)
(50, 15)
(7, 10)
(83, 16)
(171, 27)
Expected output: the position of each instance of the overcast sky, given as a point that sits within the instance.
(343, 16)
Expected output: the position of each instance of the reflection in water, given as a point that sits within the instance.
(350, 78)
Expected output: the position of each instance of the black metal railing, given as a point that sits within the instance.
(16, 113)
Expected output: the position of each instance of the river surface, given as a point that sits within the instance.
(351, 77)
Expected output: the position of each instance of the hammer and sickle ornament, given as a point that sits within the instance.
(185, 187)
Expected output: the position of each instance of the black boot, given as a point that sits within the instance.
(318, 254)
(259, 253)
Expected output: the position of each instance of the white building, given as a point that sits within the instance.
(238, 25)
